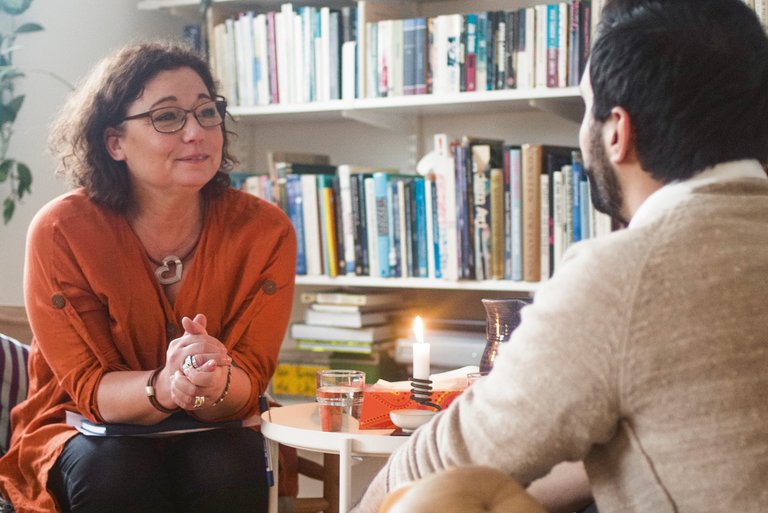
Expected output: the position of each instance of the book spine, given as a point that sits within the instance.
(381, 196)
(371, 214)
(296, 214)
(311, 225)
(435, 230)
(578, 205)
(347, 221)
(481, 155)
(421, 48)
(445, 182)
(470, 56)
(531, 211)
(402, 226)
(553, 25)
(497, 223)
(420, 228)
(545, 229)
(501, 48)
(516, 213)
(331, 259)
(511, 49)
(409, 56)
(394, 228)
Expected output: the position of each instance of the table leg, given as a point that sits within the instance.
(274, 455)
(331, 482)
(345, 475)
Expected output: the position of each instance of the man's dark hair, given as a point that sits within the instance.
(693, 77)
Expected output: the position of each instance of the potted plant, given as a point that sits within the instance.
(15, 176)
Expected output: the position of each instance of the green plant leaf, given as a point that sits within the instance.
(5, 169)
(9, 110)
(9, 205)
(29, 27)
(9, 72)
(25, 179)
(15, 7)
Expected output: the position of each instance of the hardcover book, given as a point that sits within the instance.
(176, 424)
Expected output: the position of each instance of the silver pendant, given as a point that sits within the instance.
(162, 272)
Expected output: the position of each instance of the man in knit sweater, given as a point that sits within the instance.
(646, 355)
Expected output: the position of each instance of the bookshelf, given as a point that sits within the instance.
(394, 132)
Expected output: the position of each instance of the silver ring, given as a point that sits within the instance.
(187, 365)
(199, 401)
(194, 361)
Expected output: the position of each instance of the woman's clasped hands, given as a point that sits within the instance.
(199, 367)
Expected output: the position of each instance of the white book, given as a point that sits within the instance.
(390, 308)
(371, 222)
(283, 29)
(544, 227)
(558, 223)
(445, 181)
(540, 63)
(344, 319)
(324, 68)
(307, 43)
(229, 75)
(334, 59)
(361, 48)
(245, 58)
(348, 70)
(261, 62)
(297, 63)
(311, 213)
(395, 85)
(384, 63)
(344, 173)
(365, 334)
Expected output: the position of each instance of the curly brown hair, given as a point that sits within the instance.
(101, 101)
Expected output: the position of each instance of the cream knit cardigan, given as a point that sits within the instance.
(645, 356)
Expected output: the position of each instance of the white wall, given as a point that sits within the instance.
(77, 34)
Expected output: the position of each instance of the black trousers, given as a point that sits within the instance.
(217, 471)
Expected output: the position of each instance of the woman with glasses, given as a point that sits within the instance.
(153, 290)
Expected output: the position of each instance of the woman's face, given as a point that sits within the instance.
(163, 162)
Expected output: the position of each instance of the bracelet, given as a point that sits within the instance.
(150, 389)
(226, 387)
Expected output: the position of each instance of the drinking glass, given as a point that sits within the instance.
(339, 398)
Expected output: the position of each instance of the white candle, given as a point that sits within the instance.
(420, 352)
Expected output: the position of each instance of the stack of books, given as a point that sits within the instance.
(348, 322)
(352, 330)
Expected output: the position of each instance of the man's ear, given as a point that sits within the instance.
(113, 144)
(618, 135)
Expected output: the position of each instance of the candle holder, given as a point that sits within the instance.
(421, 393)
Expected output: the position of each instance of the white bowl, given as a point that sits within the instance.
(408, 420)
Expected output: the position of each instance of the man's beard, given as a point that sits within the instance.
(603, 183)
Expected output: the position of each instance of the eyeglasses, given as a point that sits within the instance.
(168, 120)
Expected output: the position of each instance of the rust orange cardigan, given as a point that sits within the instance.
(95, 307)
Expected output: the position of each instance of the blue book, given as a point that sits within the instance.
(586, 232)
(420, 56)
(435, 229)
(578, 171)
(381, 194)
(296, 214)
(409, 56)
(481, 61)
(420, 228)
(553, 38)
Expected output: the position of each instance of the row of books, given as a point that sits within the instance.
(486, 211)
(305, 54)
(542, 46)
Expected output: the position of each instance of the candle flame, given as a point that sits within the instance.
(418, 329)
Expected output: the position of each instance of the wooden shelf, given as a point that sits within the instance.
(418, 283)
